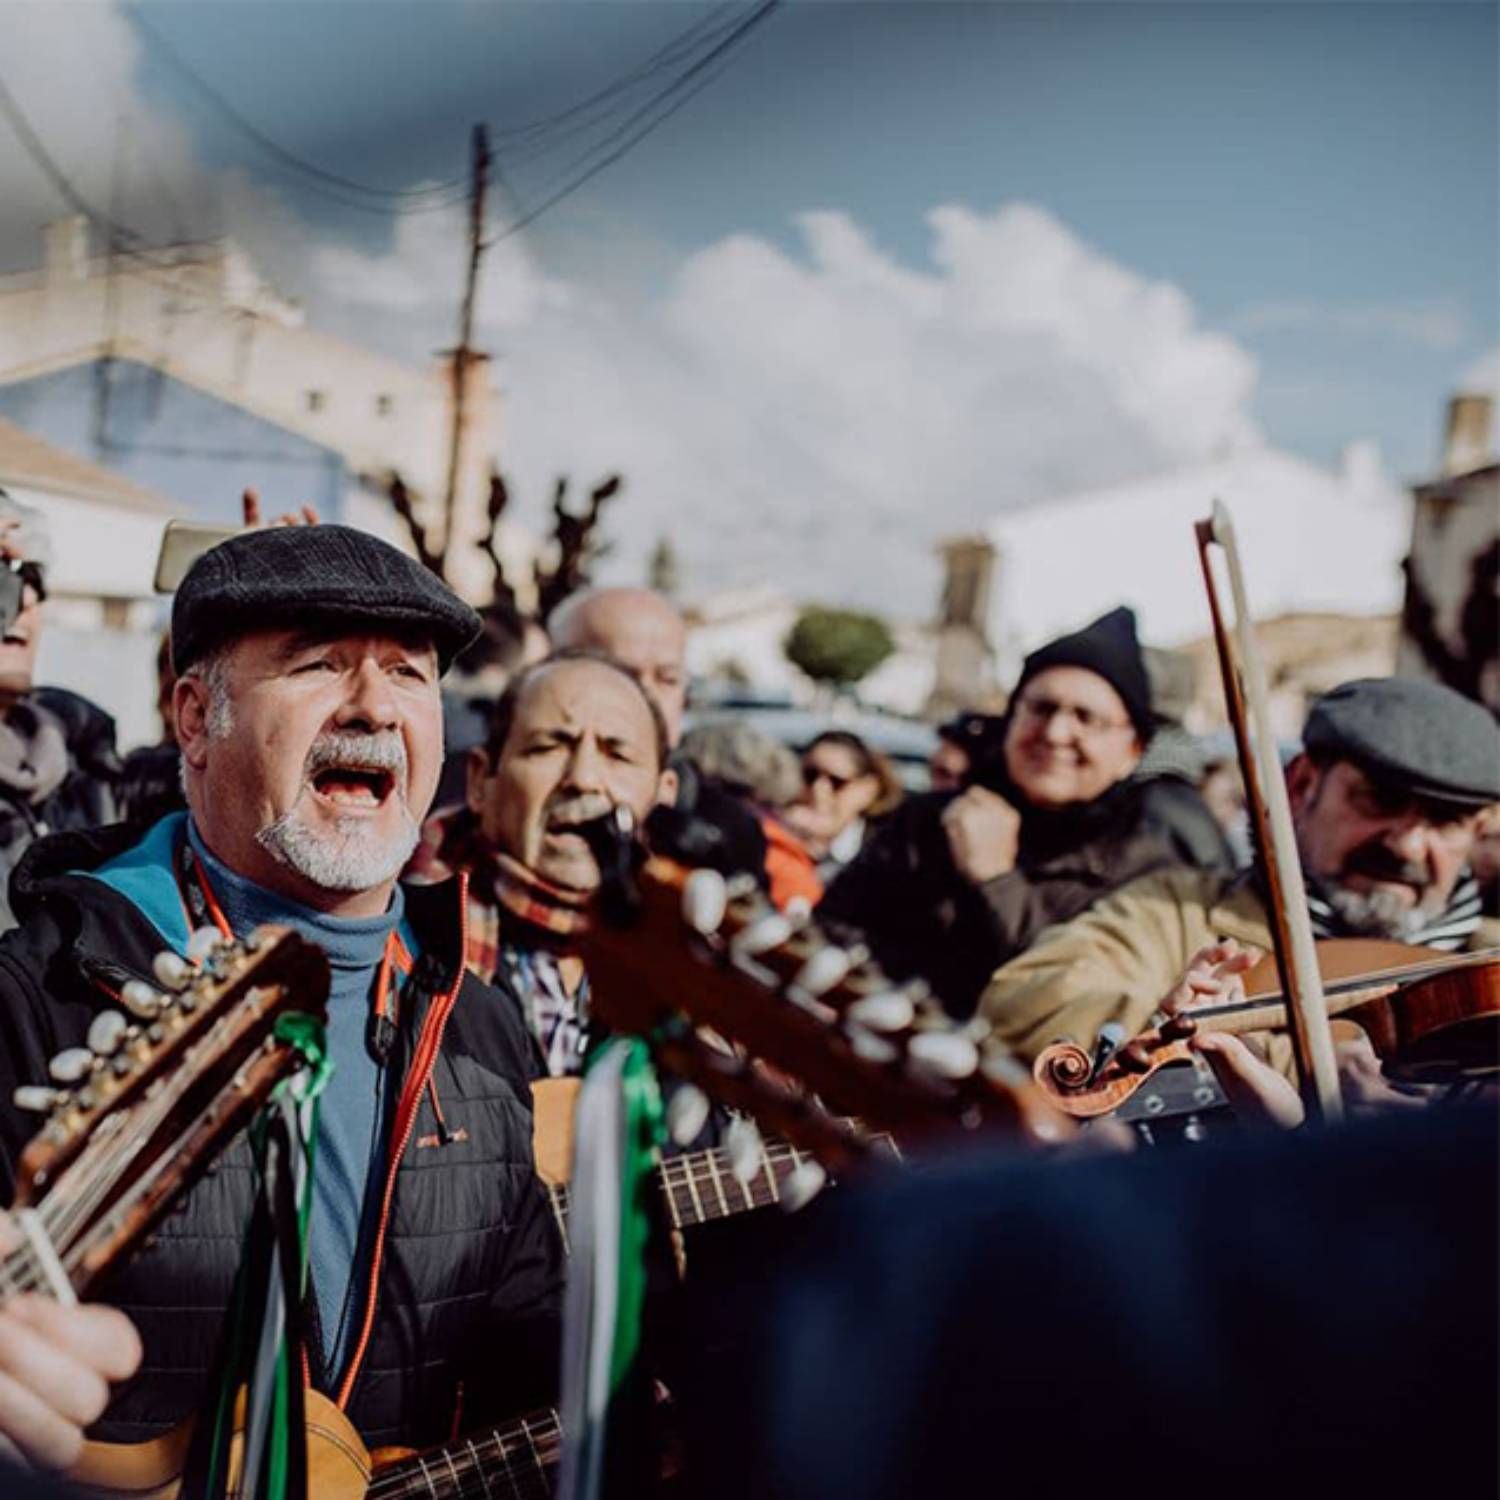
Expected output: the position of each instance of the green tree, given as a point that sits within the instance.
(838, 646)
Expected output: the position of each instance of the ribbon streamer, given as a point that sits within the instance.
(616, 1150)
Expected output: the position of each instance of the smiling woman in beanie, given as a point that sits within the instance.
(957, 884)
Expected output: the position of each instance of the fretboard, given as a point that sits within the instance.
(700, 1186)
(515, 1462)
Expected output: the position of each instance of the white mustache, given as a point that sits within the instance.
(568, 812)
(357, 752)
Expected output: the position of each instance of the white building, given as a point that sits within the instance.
(202, 316)
(1312, 541)
(102, 618)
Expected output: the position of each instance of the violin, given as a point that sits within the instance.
(1431, 1019)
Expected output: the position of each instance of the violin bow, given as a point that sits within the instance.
(1276, 845)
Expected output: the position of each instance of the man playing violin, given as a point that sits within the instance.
(1387, 797)
(308, 713)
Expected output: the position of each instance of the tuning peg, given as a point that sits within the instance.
(37, 1098)
(804, 1184)
(204, 942)
(171, 970)
(705, 897)
(868, 1047)
(71, 1065)
(687, 1113)
(141, 1000)
(828, 967)
(741, 884)
(745, 1154)
(944, 1054)
(763, 934)
(106, 1030)
(888, 1011)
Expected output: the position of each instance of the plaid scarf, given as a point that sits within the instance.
(451, 841)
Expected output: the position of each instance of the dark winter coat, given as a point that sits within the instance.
(921, 917)
(466, 1322)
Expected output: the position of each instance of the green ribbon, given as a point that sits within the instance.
(260, 1353)
(616, 1151)
(642, 1136)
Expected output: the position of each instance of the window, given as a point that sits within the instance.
(316, 400)
(384, 405)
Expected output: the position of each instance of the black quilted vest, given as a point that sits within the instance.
(465, 1328)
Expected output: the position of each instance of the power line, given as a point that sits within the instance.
(627, 142)
(121, 237)
(404, 196)
(663, 57)
(600, 113)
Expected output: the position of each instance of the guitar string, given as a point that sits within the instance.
(542, 1434)
(129, 1143)
(101, 1162)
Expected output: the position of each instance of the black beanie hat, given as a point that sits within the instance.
(1108, 647)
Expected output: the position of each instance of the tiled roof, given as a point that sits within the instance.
(26, 462)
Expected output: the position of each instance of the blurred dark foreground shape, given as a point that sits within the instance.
(1280, 1315)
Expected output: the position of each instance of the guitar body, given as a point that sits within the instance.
(553, 1102)
(339, 1466)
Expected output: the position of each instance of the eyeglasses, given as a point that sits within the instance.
(1043, 710)
(812, 775)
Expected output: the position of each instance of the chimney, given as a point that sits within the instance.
(66, 244)
(1468, 444)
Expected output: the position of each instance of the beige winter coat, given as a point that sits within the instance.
(1120, 958)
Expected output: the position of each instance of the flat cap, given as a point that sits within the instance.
(284, 576)
(1419, 737)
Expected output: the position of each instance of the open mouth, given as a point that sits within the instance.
(15, 638)
(354, 786)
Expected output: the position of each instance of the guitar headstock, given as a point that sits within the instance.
(817, 1030)
(163, 1084)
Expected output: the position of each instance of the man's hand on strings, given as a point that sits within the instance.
(250, 500)
(1215, 975)
(56, 1365)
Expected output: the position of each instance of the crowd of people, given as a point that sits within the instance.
(351, 750)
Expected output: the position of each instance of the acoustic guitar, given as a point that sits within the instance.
(141, 1111)
(516, 1461)
(822, 1046)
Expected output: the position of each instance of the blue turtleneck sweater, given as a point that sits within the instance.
(355, 1108)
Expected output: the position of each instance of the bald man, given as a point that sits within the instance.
(641, 630)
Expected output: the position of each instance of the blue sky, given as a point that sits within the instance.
(1320, 182)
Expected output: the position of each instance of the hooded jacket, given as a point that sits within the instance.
(466, 1302)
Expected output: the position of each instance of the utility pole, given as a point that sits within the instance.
(464, 356)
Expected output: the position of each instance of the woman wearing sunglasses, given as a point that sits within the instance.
(846, 787)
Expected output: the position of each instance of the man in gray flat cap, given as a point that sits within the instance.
(1387, 798)
(308, 714)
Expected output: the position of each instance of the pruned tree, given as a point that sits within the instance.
(576, 544)
(838, 647)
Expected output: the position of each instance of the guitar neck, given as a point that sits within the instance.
(700, 1187)
(516, 1461)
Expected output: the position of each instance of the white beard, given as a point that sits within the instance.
(1377, 913)
(349, 857)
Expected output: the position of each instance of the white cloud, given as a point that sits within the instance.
(71, 71)
(1439, 324)
(820, 419)
(816, 417)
